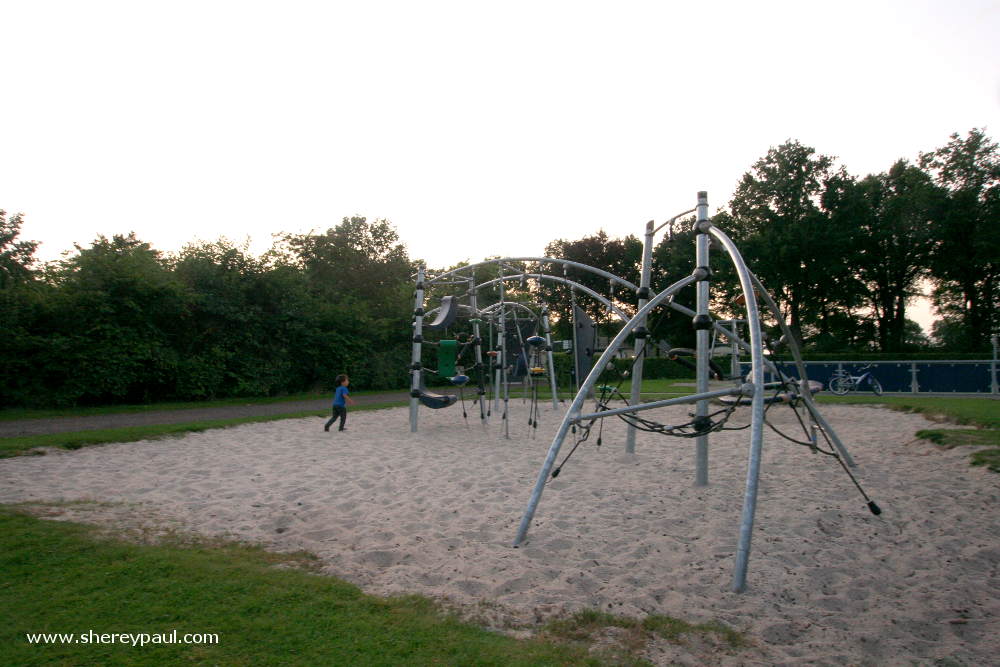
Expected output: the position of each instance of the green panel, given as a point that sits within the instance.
(447, 350)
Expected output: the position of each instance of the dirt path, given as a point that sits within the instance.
(11, 429)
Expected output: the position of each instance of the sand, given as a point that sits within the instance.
(435, 513)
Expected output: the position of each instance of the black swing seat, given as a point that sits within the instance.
(435, 401)
(685, 356)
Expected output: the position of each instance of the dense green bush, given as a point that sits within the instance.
(118, 322)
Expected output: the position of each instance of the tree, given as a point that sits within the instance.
(890, 216)
(16, 257)
(788, 238)
(966, 260)
(356, 260)
(360, 278)
(674, 259)
(621, 257)
(109, 326)
(232, 343)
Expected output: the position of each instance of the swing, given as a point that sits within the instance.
(435, 401)
(681, 354)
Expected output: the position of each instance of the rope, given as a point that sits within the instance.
(586, 434)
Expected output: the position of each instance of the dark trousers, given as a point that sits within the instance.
(338, 411)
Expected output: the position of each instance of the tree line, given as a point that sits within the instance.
(843, 256)
(121, 322)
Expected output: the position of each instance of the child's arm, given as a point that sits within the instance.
(347, 397)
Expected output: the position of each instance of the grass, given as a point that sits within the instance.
(77, 439)
(983, 413)
(64, 578)
(951, 438)
(583, 626)
(656, 387)
(13, 414)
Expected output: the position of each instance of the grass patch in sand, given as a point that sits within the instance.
(629, 635)
(981, 412)
(951, 438)
(77, 439)
(987, 457)
(63, 578)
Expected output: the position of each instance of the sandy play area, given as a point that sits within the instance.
(435, 513)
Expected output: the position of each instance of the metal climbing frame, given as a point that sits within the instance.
(703, 323)
(466, 276)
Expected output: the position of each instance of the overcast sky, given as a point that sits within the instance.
(476, 128)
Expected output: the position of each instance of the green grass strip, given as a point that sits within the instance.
(984, 412)
(77, 439)
(61, 578)
(14, 414)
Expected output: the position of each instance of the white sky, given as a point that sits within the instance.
(476, 128)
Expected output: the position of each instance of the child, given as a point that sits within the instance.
(340, 400)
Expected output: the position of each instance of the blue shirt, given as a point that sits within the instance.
(338, 398)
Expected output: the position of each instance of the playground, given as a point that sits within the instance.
(653, 505)
(433, 513)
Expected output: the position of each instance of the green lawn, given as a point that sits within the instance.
(264, 608)
(77, 439)
(984, 412)
(60, 578)
(12, 414)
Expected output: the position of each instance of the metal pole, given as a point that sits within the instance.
(581, 395)
(993, 367)
(702, 340)
(505, 417)
(734, 349)
(641, 333)
(800, 366)
(498, 358)
(745, 390)
(756, 408)
(548, 352)
(415, 365)
(478, 346)
(576, 354)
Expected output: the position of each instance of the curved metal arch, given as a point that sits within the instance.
(550, 260)
(624, 317)
(757, 403)
(488, 310)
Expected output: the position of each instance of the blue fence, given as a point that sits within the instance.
(932, 377)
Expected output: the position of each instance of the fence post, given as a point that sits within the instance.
(993, 367)
(914, 385)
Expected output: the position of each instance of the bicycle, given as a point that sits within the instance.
(842, 381)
